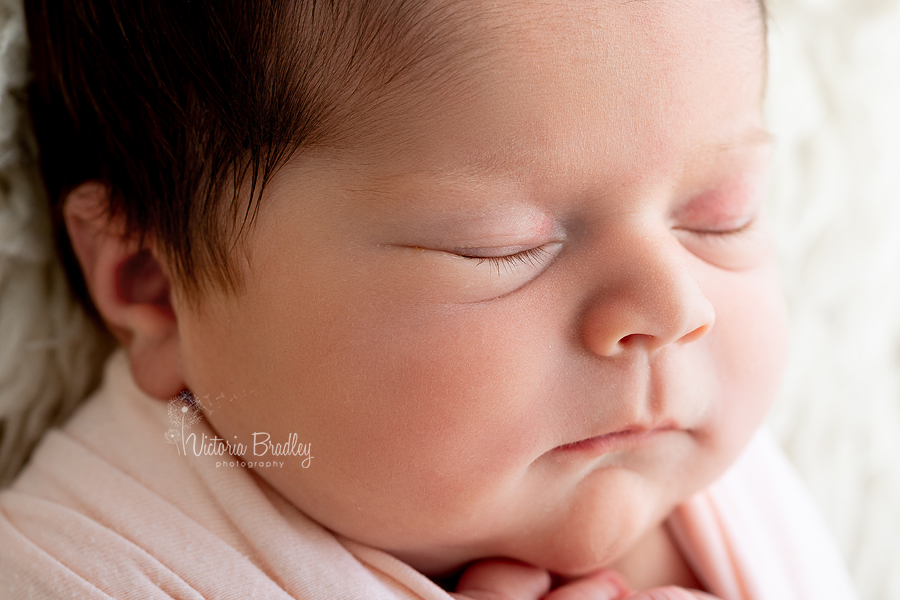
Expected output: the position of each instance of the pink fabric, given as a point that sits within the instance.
(755, 533)
(107, 509)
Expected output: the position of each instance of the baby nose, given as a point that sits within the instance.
(652, 300)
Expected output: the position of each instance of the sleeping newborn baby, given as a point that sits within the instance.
(456, 297)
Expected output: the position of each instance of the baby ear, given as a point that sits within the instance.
(130, 287)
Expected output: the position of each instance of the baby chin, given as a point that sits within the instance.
(572, 515)
(610, 511)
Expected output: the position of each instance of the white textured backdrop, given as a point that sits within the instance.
(49, 352)
(834, 108)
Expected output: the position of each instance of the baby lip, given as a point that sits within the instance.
(635, 430)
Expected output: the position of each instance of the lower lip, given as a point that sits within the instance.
(620, 440)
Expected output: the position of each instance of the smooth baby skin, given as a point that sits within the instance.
(563, 242)
(437, 389)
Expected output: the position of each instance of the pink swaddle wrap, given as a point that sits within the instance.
(107, 509)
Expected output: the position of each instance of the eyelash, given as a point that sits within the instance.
(534, 257)
(727, 233)
(537, 256)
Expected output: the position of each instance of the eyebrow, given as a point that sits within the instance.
(486, 166)
(750, 137)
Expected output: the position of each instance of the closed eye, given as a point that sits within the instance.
(733, 248)
(535, 257)
(722, 233)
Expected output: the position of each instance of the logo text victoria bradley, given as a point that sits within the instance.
(262, 446)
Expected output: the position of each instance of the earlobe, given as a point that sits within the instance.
(130, 288)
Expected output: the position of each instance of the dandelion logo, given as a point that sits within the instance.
(184, 411)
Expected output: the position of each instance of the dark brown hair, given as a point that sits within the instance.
(176, 104)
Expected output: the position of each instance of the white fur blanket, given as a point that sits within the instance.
(834, 108)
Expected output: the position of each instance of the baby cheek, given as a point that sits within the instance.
(461, 384)
(423, 429)
(750, 349)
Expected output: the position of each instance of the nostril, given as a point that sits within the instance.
(635, 338)
(697, 333)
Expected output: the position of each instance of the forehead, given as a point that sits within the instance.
(548, 103)
(612, 81)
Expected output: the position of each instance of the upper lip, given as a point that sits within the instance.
(646, 404)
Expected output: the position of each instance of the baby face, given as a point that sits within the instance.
(532, 310)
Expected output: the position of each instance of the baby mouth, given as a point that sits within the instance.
(618, 440)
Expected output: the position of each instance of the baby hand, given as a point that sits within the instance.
(509, 580)
(671, 593)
